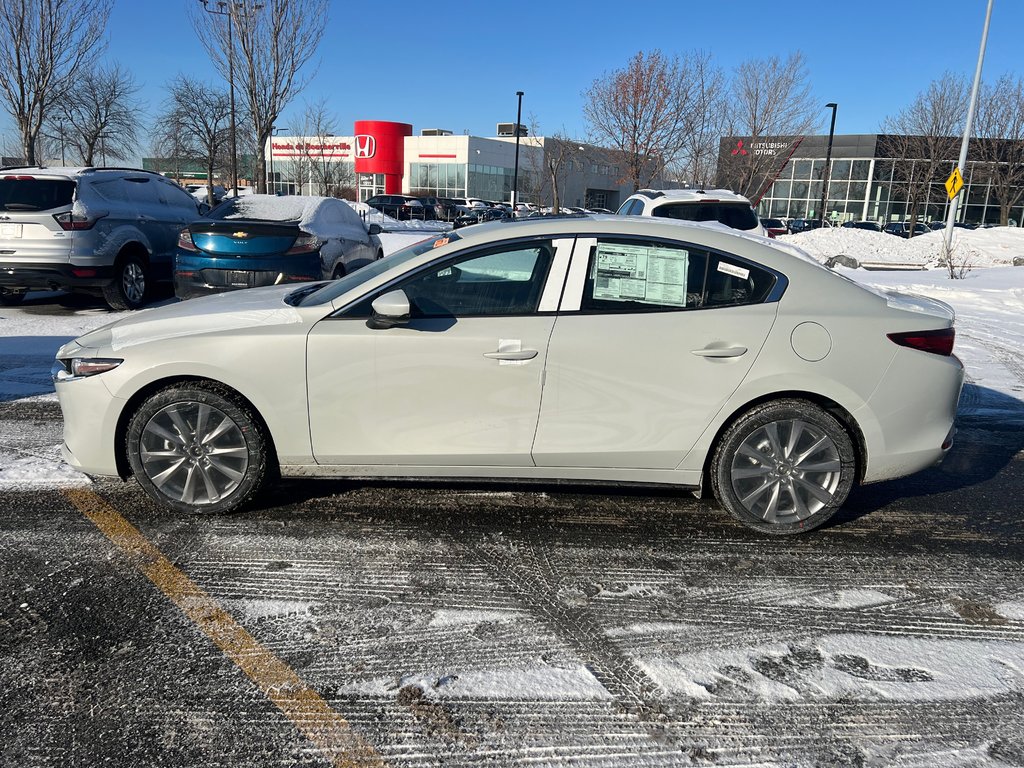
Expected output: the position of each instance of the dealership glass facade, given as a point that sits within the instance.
(865, 184)
(490, 182)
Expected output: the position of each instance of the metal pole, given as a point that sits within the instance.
(231, 89)
(828, 165)
(515, 172)
(954, 203)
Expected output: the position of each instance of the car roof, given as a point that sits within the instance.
(73, 172)
(660, 196)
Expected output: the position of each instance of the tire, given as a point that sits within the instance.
(12, 298)
(784, 467)
(339, 272)
(130, 285)
(197, 448)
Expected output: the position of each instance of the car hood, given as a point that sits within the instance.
(234, 311)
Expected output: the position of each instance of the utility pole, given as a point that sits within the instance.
(227, 10)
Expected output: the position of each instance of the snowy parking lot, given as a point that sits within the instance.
(429, 624)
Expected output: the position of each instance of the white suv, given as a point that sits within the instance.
(106, 231)
(719, 205)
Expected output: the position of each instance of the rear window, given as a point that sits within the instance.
(30, 194)
(735, 215)
(773, 223)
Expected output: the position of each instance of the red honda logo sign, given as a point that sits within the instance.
(739, 148)
(366, 146)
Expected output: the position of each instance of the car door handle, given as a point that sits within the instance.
(518, 354)
(719, 352)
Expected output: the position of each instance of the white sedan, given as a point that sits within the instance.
(607, 348)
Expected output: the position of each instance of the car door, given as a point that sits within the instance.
(460, 383)
(651, 340)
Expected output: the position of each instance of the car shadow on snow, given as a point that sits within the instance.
(978, 478)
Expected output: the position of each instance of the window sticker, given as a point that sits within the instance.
(733, 270)
(650, 275)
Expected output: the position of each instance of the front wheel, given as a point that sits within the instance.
(784, 467)
(197, 448)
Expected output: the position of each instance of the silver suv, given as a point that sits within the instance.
(719, 205)
(105, 231)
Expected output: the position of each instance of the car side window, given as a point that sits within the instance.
(503, 281)
(638, 276)
(732, 282)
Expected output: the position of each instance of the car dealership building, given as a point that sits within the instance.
(867, 179)
(383, 157)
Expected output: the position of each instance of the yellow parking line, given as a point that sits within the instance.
(299, 703)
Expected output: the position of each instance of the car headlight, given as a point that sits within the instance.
(81, 367)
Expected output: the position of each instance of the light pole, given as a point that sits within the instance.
(271, 180)
(224, 9)
(515, 171)
(828, 164)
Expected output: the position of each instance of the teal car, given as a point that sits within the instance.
(260, 240)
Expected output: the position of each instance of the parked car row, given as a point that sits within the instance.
(115, 232)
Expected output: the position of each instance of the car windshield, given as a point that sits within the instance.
(735, 215)
(19, 193)
(773, 223)
(336, 288)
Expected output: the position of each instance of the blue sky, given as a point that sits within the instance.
(458, 65)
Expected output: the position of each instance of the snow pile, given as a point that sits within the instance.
(325, 217)
(993, 247)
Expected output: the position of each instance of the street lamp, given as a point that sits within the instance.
(828, 164)
(274, 130)
(224, 9)
(515, 172)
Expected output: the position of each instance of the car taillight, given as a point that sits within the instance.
(73, 222)
(185, 241)
(304, 244)
(938, 342)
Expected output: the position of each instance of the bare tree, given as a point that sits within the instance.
(195, 125)
(922, 139)
(1000, 127)
(319, 151)
(769, 101)
(272, 40)
(698, 162)
(99, 115)
(641, 111)
(44, 45)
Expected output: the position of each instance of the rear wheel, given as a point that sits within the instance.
(784, 467)
(127, 290)
(339, 271)
(197, 448)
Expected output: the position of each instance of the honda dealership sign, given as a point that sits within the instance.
(366, 147)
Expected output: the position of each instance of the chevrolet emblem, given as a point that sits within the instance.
(240, 234)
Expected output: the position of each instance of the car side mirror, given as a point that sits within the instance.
(389, 310)
(375, 229)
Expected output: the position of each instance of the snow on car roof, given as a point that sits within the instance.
(326, 217)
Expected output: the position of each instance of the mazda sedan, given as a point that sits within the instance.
(605, 348)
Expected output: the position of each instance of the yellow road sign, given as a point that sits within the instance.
(954, 183)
